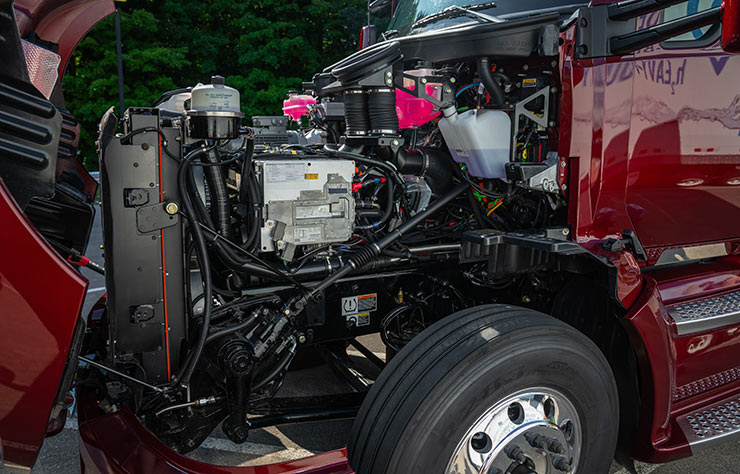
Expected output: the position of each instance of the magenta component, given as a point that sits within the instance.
(296, 105)
(413, 111)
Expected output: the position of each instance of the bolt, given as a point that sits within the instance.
(388, 74)
(171, 208)
(553, 63)
(583, 49)
(555, 447)
(423, 80)
(286, 311)
(536, 440)
(560, 463)
(562, 164)
(453, 80)
(515, 453)
(526, 299)
(566, 231)
(525, 67)
(395, 142)
(301, 338)
(448, 90)
(564, 187)
(552, 123)
(389, 82)
(144, 146)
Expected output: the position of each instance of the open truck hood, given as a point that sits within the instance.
(40, 294)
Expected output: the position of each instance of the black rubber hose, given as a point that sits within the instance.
(381, 107)
(250, 321)
(388, 168)
(484, 71)
(388, 208)
(356, 115)
(432, 164)
(220, 208)
(186, 370)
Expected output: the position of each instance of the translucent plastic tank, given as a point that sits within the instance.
(296, 105)
(414, 111)
(479, 138)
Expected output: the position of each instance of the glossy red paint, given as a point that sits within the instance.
(679, 374)
(40, 301)
(118, 443)
(668, 139)
(650, 335)
(658, 156)
(697, 281)
(684, 143)
(731, 26)
(63, 22)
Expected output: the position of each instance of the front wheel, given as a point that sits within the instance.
(492, 390)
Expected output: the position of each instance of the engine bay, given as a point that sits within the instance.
(387, 201)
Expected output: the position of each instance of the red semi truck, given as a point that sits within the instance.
(536, 205)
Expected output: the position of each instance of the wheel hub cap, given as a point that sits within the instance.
(534, 431)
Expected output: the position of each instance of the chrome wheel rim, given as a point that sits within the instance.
(536, 430)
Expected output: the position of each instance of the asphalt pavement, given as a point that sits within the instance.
(60, 453)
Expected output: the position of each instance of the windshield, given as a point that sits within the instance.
(410, 11)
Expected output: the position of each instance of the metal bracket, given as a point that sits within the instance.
(520, 109)
(154, 217)
(420, 87)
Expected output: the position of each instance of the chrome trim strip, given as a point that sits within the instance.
(696, 252)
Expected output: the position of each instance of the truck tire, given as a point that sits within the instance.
(490, 389)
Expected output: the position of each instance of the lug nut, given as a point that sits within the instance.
(555, 447)
(536, 440)
(515, 453)
(560, 463)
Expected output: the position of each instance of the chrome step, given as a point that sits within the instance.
(713, 425)
(707, 313)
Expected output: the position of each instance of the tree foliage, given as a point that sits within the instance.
(263, 47)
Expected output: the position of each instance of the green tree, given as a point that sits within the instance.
(263, 47)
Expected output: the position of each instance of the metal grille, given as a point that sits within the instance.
(42, 67)
(706, 384)
(709, 307)
(707, 314)
(270, 139)
(715, 423)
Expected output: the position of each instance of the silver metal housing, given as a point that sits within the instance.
(306, 202)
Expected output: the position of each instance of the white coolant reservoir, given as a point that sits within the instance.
(479, 138)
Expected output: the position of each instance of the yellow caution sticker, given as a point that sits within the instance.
(312, 176)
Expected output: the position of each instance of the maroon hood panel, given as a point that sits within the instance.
(62, 22)
(40, 301)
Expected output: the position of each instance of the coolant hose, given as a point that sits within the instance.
(388, 208)
(484, 71)
(219, 197)
(187, 368)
